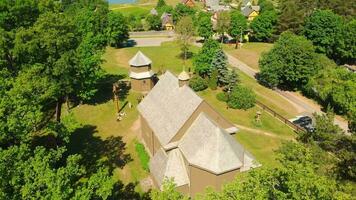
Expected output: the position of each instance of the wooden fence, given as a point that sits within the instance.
(280, 117)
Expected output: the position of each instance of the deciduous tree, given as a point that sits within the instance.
(290, 63)
(264, 26)
(238, 26)
(185, 30)
(205, 27)
(117, 30)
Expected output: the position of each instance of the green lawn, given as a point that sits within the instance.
(249, 53)
(134, 9)
(163, 58)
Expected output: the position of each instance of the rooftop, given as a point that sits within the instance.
(167, 113)
(140, 59)
(210, 147)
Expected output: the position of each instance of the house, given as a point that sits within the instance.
(214, 6)
(187, 139)
(167, 21)
(248, 10)
(189, 3)
(141, 76)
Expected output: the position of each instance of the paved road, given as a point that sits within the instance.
(149, 42)
(307, 107)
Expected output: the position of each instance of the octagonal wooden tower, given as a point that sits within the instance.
(141, 75)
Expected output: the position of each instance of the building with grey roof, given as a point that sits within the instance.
(188, 140)
(141, 74)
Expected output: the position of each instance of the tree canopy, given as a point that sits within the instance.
(290, 63)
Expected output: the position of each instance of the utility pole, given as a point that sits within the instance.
(115, 91)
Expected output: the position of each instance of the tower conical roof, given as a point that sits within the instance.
(140, 60)
(183, 76)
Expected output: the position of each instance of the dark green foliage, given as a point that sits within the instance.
(154, 22)
(219, 64)
(182, 10)
(331, 139)
(142, 155)
(241, 98)
(197, 83)
(50, 51)
(160, 4)
(205, 26)
(117, 29)
(266, 6)
(222, 96)
(336, 87)
(290, 63)
(294, 12)
(202, 61)
(213, 79)
(264, 26)
(346, 44)
(323, 28)
(238, 25)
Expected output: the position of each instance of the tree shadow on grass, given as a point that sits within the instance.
(104, 93)
(122, 191)
(96, 151)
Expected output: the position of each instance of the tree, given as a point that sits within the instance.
(41, 174)
(117, 29)
(168, 192)
(202, 60)
(290, 63)
(241, 98)
(265, 6)
(233, 79)
(205, 27)
(345, 44)
(154, 22)
(185, 30)
(238, 26)
(213, 79)
(197, 83)
(160, 4)
(182, 10)
(219, 63)
(223, 23)
(263, 26)
(323, 28)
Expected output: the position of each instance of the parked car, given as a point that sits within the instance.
(305, 122)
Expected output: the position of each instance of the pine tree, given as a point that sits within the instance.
(232, 79)
(219, 63)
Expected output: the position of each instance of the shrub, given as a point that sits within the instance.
(241, 98)
(221, 97)
(213, 80)
(197, 83)
(143, 156)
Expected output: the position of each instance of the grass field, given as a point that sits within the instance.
(164, 57)
(134, 9)
(249, 53)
